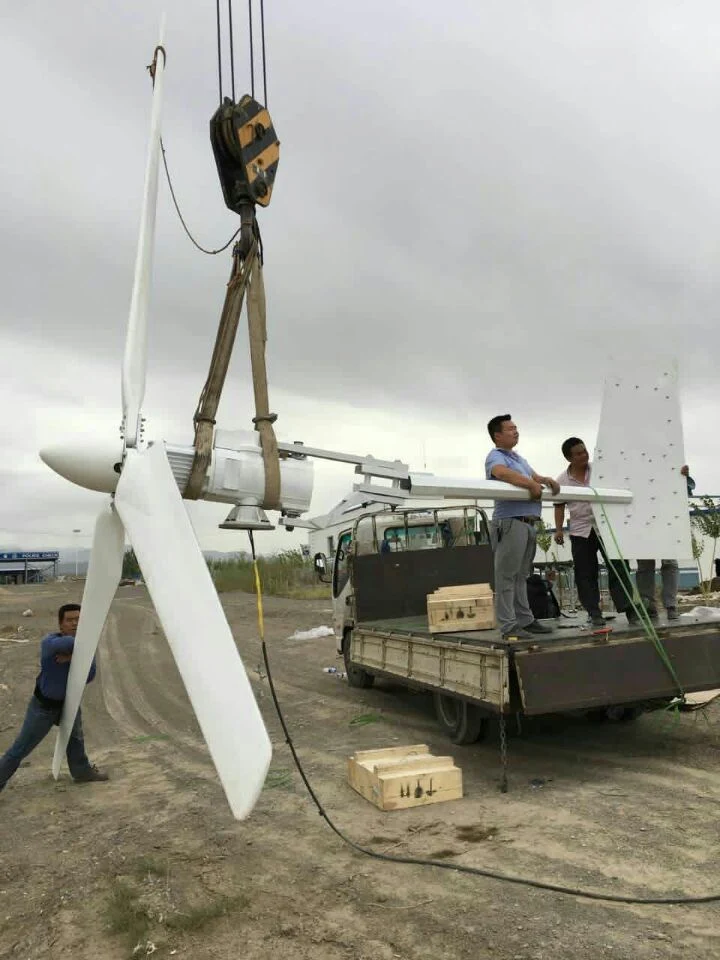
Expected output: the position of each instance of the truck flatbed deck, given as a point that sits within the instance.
(563, 630)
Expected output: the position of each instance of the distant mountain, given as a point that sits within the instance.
(66, 564)
(224, 555)
(68, 569)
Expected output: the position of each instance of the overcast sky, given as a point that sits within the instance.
(478, 203)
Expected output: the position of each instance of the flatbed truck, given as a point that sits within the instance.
(385, 566)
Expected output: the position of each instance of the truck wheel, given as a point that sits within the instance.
(597, 715)
(614, 714)
(463, 722)
(623, 714)
(356, 676)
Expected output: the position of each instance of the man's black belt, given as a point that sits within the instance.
(47, 701)
(527, 519)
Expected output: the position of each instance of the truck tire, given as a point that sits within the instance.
(463, 722)
(356, 676)
(623, 714)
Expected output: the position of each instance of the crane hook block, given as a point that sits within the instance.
(246, 150)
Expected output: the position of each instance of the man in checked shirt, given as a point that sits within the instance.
(585, 543)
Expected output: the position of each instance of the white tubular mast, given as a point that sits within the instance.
(406, 486)
(461, 488)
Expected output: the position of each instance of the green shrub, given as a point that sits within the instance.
(284, 574)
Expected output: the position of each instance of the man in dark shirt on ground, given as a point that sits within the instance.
(513, 530)
(45, 707)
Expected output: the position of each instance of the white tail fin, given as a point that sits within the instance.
(640, 447)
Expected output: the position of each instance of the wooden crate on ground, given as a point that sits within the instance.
(400, 777)
(465, 607)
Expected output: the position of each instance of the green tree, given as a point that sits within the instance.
(706, 521)
(130, 567)
(544, 537)
(698, 545)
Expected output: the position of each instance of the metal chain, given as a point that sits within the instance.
(503, 754)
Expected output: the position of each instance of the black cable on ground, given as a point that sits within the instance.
(182, 220)
(443, 864)
(458, 867)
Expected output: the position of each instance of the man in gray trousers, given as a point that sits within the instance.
(645, 580)
(512, 531)
(669, 573)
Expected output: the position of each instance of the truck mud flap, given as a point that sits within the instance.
(572, 677)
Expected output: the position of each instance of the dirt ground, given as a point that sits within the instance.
(153, 863)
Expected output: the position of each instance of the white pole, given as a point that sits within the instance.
(469, 488)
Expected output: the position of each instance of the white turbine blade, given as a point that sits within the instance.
(150, 506)
(103, 577)
(135, 359)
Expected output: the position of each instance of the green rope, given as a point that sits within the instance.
(638, 606)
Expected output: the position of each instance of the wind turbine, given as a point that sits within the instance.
(146, 504)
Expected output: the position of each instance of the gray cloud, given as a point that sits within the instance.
(477, 206)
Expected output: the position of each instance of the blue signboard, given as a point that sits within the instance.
(31, 555)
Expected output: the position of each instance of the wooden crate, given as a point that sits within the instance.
(465, 607)
(399, 777)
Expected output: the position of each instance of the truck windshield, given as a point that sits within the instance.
(417, 537)
(442, 531)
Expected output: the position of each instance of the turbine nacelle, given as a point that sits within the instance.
(236, 474)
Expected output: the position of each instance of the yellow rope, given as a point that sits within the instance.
(258, 594)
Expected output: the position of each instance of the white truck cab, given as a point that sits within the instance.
(388, 532)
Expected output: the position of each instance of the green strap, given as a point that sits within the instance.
(638, 606)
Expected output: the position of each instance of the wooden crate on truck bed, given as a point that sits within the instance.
(400, 777)
(465, 607)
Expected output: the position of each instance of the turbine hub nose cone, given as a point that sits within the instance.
(87, 463)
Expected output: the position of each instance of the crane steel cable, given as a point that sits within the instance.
(232, 50)
(252, 56)
(262, 36)
(219, 51)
